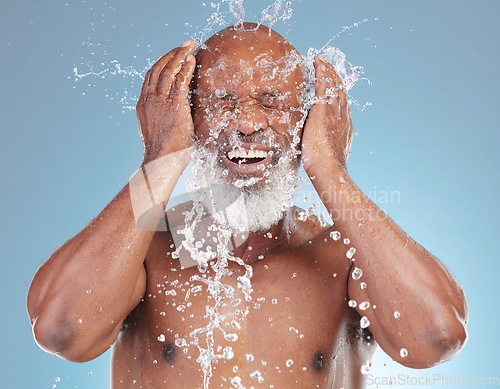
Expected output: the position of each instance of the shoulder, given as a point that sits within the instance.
(303, 229)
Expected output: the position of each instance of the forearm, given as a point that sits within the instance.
(80, 296)
(414, 302)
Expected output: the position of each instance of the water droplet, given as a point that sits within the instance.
(196, 289)
(155, 361)
(289, 363)
(357, 273)
(364, 305)
(228, 353)
(347, 241)
(274, 301)
(236, 381)
(365, 367)
(364, 322)
(335, 235)
(180, 342)
(161, 338)
(350, 252)
(352, 303)
(231, 337)
(249, 357)
(292, 329)
(403, 352)
(257, 374)
(363, 285)
(220, 92)
(236, 325)
(397, 314)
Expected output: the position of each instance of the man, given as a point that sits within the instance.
(313, 311)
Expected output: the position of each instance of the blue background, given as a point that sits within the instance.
(431, 135)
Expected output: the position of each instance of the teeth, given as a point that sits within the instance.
(242, 153)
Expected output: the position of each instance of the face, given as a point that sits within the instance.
(246, 102)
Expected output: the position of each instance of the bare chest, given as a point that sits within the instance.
(292, 328)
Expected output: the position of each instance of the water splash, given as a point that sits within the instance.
(225, 13)
(213, 264)
(279, 10)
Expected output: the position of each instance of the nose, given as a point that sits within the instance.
(250, 118)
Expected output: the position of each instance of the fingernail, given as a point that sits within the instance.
(186, 43)
(324, 59)
(189, 57)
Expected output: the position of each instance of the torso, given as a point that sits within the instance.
(299, 331)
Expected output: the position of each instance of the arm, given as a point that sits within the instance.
(80, 296)
(415, 303)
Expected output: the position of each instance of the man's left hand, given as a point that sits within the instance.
(328, 130)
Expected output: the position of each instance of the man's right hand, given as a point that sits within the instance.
(163, 110)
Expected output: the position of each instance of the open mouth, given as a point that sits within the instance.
(243, 156)
(247, 158)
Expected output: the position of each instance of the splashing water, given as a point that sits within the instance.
(226, 13)
(223, 294)
(213, 263)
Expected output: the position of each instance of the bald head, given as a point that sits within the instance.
(246, 41)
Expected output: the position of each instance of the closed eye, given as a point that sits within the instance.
(273, 100)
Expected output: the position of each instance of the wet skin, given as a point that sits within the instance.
(260, 95)
(310, 323)
(128, 268)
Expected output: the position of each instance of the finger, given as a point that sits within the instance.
(337, 84)
(320, 75)
(144, 88)
(180, 88)
(326, 86)
(171, 69)
(156, 70)
(319, 108)
(336, 95)
(145, 83)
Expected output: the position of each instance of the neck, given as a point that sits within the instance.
(261, 243)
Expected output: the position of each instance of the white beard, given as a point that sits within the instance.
(249, 204)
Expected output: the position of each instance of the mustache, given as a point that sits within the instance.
(215, 145)
(267, 138)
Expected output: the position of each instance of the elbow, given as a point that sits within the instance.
(440, 346)
(61, 339)
(55, 338)
(449, 342)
